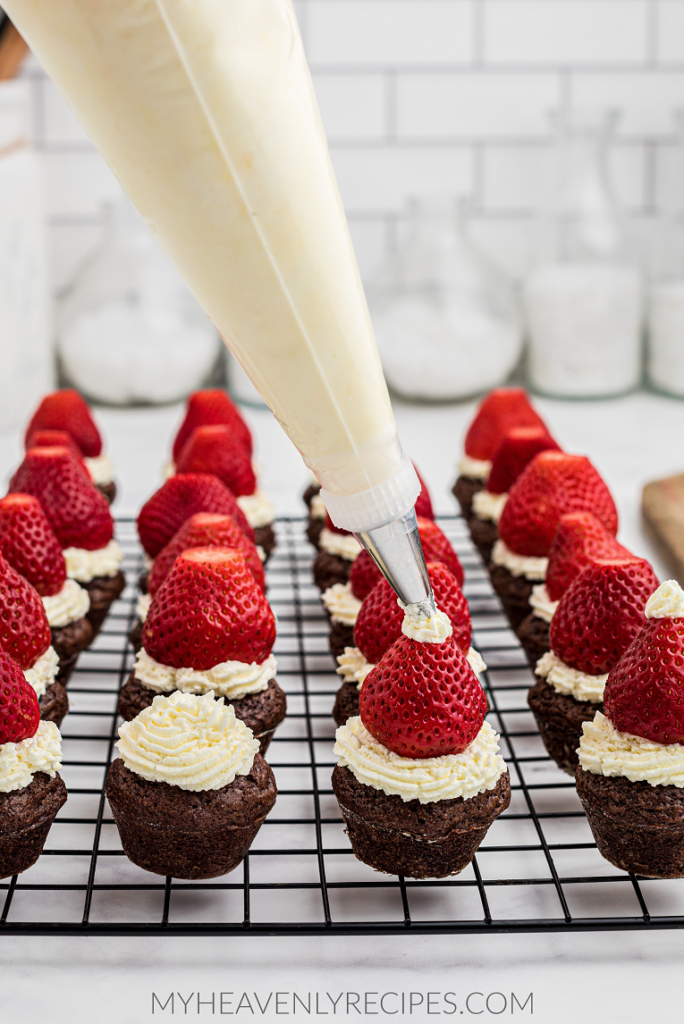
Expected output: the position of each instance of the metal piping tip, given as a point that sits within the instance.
(398, 553)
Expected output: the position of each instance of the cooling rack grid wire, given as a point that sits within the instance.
(537, 870)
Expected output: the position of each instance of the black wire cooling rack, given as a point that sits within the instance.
(537, 870)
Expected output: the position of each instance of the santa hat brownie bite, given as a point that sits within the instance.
(597, 619)
(553, 483)
(210, 630)
(80, 518)
(419, 778)
(630, 776)
(31, 791)
(29, 544)
(67, 412)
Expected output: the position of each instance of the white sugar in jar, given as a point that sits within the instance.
(584, 329)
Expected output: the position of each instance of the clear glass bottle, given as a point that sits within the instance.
(129, 329)
(665, 351)
(583, 299)
(446, 320)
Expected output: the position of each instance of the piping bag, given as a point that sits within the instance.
(205, 112)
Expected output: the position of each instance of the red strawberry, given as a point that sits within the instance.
(552, 483)
(77, 512)
(364, 575)
(162, 515)
(436, 548)
(500, 411)
(601, 613)
(329, 525)
(214, 450)
(380, 617)
(423, 501)
(209, 610)
(45, 438)
(66, 410)
(24, 630)
(19, 708)
(206, 408)
(423, 700)
(579, 539)
(644, 694)
(205, 530)
(28, 543)
(518, 447)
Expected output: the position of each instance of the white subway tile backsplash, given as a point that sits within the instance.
(78, 184)
(376, 178)
(670, 31)
(389, 32)
(475, 105)
(352, 106)
(645, 101)
(369, 238)
(565, 31)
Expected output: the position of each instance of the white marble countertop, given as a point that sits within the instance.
(592, 977)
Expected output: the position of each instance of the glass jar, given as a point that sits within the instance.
(130, 331)
(583, 299)
(445, 319)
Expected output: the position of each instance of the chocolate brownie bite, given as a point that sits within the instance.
(514, 591)
(533, 634)
(484, 534)
(197, 820)
(103, 592)
(54, 704)
(109, 490)
(464, 490)
(265, 538)
(346, 703)
(342, 608)
(329, 569)
(560, 719)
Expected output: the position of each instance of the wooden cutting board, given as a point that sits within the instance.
(662, 504)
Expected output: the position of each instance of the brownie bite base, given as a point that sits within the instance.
(54, 704)
(533, 634)
(514, 591)
(108, 489)
(314, 530)
(26, 816)
(559, 719)
(143, 580)
(262, 712)
(464, 490)
(346, 703)
(103, 591)
(135, 635)
(637, 827)
(68, 641)
(265, 538)
(310, 493)
(409, 838)
(330, 569)
(341, 636)
(484, 535)
(172, 831)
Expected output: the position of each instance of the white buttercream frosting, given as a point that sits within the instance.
(541, 604)
(489, 506)
(190, 741)
(20, 761)
(519, 565)
(169, 470)
(569, 681)
(258, 509)
(345, 545)
(69, 605)
(142, 606)
(605, 751)
(425, 629)
(84, 565)
(230, 679)
(100, 468)
(354, 668)
(476, 469)
(426, 779)
(341, 604)
(43, 672)
(317, 507)
(667, 602)
(148, 561)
